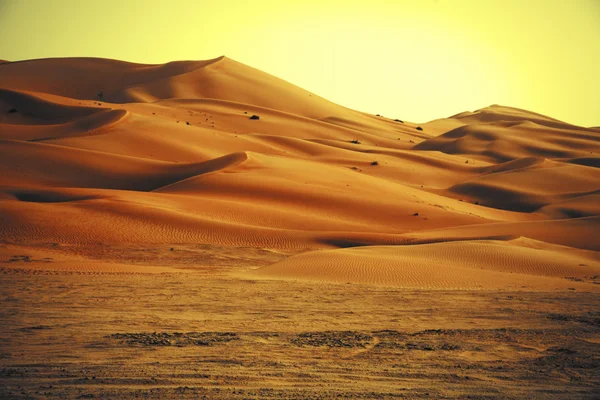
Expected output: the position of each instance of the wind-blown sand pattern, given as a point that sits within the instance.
(478, 264)
(156, 176)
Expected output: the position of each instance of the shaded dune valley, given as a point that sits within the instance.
(202, 229)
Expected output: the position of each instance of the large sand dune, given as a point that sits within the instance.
(98, 150)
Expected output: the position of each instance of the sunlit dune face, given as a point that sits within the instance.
(406, 59)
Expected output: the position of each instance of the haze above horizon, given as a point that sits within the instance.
(414, 60)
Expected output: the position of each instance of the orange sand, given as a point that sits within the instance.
(496, 198)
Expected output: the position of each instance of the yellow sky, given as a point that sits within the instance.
(414, 59)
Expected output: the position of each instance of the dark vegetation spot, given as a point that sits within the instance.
(36, 328)
(556, 349)
(419, 128)
(399, 120)
(574, 279)
(255, 117)
(245, 112)
(564, 358)
(172, 249)
(12, 111)
(477, 203)
(412, 141)
(187, 122)
(178, 339)
(378, 115)
(375, 163)
(415, 214)
(466, 162)
(346, 339)
(20, 258)
(355, 141)
(449, 347)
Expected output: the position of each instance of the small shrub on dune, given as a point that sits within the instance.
(399, 120)
(255, 117)
(375, 163)
(419, 128)
(355, 141)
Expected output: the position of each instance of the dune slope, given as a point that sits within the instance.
(516, 264)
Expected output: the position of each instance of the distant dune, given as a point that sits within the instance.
(97, 150)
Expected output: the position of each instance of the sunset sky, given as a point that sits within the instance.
(416, 59)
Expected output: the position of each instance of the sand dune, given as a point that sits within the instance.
(516, 264)
(498, 113)
(573, 232)
(121, 82)
(582, 206)
(68, 167)
(98, 150)
(92, 75)
(504, 141)
(531, 187)
(28, 108)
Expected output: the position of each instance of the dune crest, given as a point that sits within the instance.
(120, 82)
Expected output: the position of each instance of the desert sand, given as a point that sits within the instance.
(202, 228)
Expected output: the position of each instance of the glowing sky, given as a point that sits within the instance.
(413, 59)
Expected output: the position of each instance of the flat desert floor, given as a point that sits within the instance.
(201, 229)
